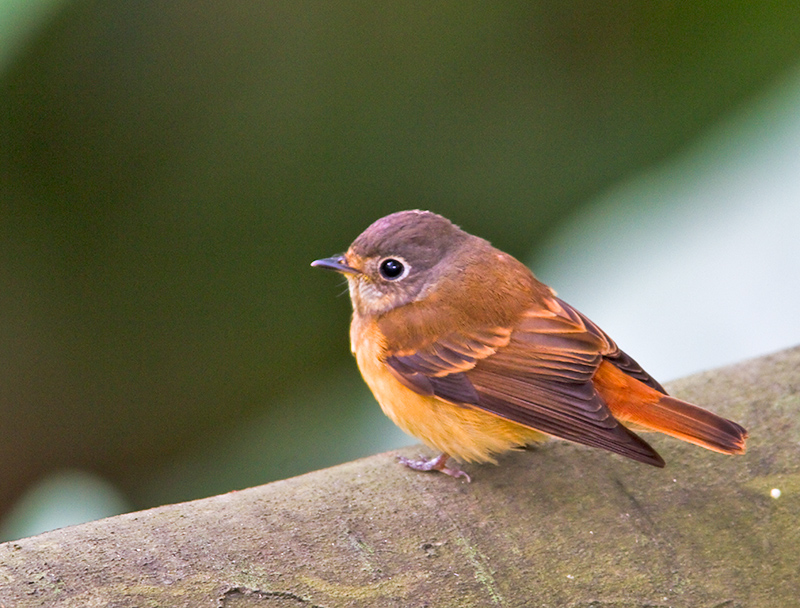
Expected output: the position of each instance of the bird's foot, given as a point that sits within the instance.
(434, 464)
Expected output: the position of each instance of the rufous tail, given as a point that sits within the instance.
(633, 402)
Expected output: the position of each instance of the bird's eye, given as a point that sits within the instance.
(392, 269)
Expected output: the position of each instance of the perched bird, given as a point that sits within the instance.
(466, 350)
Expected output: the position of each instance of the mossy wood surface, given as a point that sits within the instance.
(559, 525)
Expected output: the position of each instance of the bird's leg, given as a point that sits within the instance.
(433, 464)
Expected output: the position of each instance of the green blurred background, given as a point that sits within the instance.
(170, 169)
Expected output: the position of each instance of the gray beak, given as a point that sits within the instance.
(337, 263)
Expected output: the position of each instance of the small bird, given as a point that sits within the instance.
(466, 350)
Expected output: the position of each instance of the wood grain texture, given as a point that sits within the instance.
(561, 525)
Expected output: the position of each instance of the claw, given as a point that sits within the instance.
(434, 464)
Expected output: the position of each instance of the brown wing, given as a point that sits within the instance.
(538, 373)
(619, 358)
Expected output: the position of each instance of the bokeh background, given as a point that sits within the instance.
(169, 170)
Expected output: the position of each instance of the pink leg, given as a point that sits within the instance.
(433, 464)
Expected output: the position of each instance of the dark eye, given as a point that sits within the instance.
(392, 269)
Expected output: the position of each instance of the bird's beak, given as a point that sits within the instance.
(337, 263)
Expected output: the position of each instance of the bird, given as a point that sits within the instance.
(465, 349)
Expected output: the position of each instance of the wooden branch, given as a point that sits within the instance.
(560, 525)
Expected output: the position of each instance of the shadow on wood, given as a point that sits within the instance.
(559, 525)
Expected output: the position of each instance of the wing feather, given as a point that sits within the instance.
(537, 373)
(618, 357)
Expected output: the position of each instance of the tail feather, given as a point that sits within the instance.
(632, 402)
(685, 421)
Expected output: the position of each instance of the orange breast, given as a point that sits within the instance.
(465, 433)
